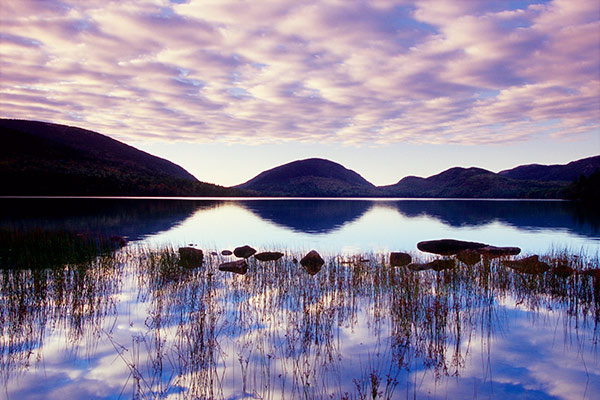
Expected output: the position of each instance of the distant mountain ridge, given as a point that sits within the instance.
(311, 177)
(39, 158)
(547, 173)
(323, 178)
(471, 183)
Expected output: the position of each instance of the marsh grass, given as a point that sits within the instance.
(73, 299)
(278, 332)
(38, 249)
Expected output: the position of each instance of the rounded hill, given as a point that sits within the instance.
(310, 177)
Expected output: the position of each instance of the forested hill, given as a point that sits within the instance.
(323, 178)
(45, 159)
(38, 158)
(313, 177)
(546, 173)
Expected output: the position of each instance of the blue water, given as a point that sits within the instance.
(134, 331)
(330, 226)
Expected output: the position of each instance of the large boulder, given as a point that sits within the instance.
(528, 265)
(190, 257)
(238, 266)
(400, 259)
(448, 247)
(268, 256)
(244, 251)
(312, 262)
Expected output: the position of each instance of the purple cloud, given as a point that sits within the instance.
(318, 71)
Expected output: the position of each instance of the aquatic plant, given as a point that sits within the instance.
(278, 331)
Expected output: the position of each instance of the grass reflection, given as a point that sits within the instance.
(358, 329)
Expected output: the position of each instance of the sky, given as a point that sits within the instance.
(229, 88)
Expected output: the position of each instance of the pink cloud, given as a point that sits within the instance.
(378, 72)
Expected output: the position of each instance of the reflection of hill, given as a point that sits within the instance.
(309, 216)
(134, 219)
(574, 217)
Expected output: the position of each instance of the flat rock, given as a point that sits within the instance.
(238, 266)
(190, 257)
(399, 259)
(448, 247)
(226, 252)
(528, 265)
(312, 262)
(244, 251)
(268, 256)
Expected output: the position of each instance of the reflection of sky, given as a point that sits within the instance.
(379, 229)
(530, 355)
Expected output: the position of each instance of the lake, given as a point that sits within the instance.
(134, 323)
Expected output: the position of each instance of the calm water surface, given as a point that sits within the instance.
(136, 325)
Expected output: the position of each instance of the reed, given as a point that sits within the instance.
(278, 331)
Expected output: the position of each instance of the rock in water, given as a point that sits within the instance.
(190, 257)
(238, 266)
(563, 271)
(312, 262)
(418, 267)
(268, 256)
(469, 257)
(528, 265)
(400, 259)
(493, 251)
(437, 265)
(118, 240)
(243, 251)
(442, 264)
(226, 252)
(448, 247)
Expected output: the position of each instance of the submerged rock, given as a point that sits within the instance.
(418, 267)
(244, 251)
(469, 257)
(436, 265)
(563, 271)
(442, 264)
(268, 256)
(448, 247)
(400, 259)
(238, 266)
(312, 262)
(493, 251)
(190, 257)
(118, 240)
(528, 265)
(226, 252)
(593, 272)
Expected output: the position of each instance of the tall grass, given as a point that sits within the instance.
(277, 331)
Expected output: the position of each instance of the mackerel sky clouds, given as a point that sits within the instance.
(343, 74)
